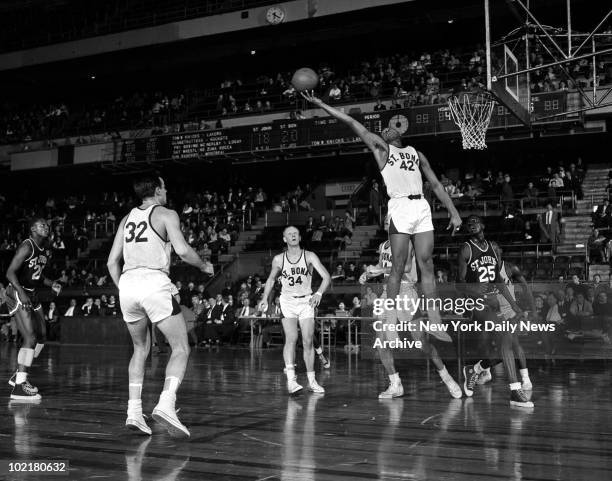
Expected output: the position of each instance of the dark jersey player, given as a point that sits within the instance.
(479, 269)
(26, 275)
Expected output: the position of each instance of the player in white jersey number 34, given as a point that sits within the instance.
(295, 267)
(409, 212)
(144, 241)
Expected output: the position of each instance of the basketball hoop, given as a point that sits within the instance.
(472, 114)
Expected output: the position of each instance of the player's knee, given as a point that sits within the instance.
(426, 263)
(291, 337)
(306, 342)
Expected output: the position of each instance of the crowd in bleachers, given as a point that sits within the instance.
(402, 80)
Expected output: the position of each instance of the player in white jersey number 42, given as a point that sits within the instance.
(409, 212)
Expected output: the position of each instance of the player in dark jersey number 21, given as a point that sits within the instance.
(479, 268)
(26, 275)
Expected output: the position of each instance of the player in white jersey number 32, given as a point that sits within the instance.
(144, 241)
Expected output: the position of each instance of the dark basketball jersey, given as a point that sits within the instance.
(30, 274)
(483, 266)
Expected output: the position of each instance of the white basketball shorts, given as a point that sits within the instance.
(410, 216)
(146, 293)
(296, 307)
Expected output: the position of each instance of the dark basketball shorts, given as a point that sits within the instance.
(14, 303)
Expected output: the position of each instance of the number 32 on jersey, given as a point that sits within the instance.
(135, 232)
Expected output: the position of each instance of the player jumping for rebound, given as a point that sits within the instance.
(479, 268)
(144, 241)
(295, 266)
(409, 212)
(407, 291)
(26, 276)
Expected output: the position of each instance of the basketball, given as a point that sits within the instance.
(305, 79)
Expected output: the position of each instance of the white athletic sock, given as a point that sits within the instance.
(25, 356)
(135, 390)
(524, 374)
(134, 407)
(444, 375)
(514, 386)
(290, 372)
(478, 368)
(171, 385)
(37, 349)
(311, 376)
(394, 378)
(21, 377)
(168, 395)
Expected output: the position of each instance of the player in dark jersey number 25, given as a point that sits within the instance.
(26, 275)
(479, 268)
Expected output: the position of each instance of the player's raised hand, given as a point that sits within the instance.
(310, 96)
(454, 224)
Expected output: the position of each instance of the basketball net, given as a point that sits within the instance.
(472, 114)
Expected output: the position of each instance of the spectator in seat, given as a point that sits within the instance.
(367, 301)
(531, 195)
(309, 228)
(598, 247)
(52, 321)
(70, 311)
(580, 309)
(98, 307)
(89, 308)
(351, 273)
(379, 106)
(227, 316)
(112, 306)
(602, 310)
(338, 276)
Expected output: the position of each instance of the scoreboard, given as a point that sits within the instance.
(314, 132)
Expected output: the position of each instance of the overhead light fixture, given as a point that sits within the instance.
(451, 20)
(92, 77)
(253, 52)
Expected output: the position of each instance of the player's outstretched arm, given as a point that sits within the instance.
(518, 275)
(276, 268)
(179, 244)
(438, 189)
(23, 252)
(313, 259)
(116, 254)
(378, 146)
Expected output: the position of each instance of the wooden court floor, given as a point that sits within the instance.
(245, 427)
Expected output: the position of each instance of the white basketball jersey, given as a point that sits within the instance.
(143, 247)
(385, 259)
(402, 172)
(295, 278)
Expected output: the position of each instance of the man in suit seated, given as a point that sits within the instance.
(245, 311)
(272, 325)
